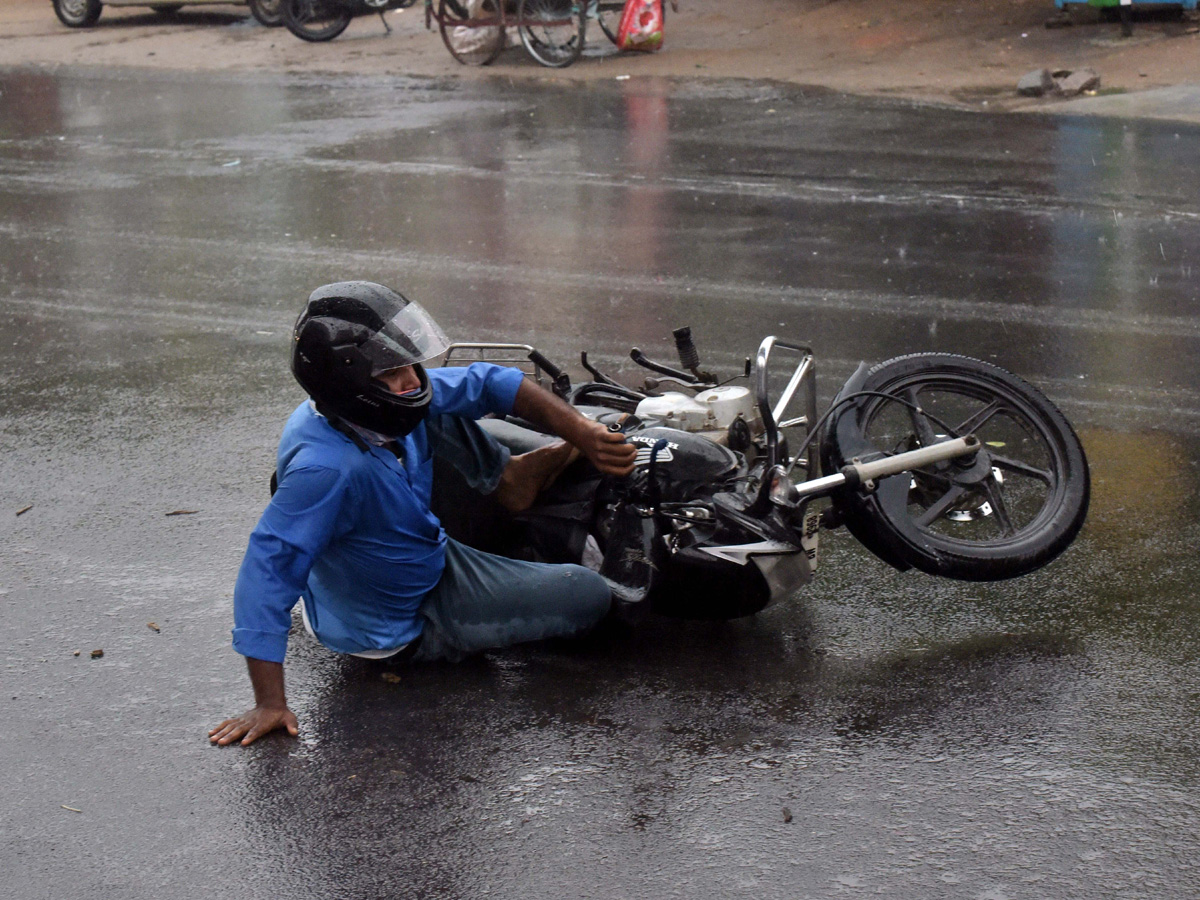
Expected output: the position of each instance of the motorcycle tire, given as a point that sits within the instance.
(1008, 510)
(315, 20)
(268, 13)
(77, 13)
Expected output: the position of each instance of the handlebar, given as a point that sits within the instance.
(646, 363)
(805, 372)
(562, 383)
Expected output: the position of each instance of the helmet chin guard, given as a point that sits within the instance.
(350, 332)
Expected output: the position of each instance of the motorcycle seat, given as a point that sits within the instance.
(521, 437)
(516, 437)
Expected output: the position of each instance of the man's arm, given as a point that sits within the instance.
(608, 451)
(298, 523)
(270, 710)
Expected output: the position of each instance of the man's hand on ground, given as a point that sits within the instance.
(270, 711)
(252, 725)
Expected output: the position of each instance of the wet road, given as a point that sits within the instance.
(926, 739)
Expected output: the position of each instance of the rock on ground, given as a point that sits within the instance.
(1078, 82)
(1036, 83)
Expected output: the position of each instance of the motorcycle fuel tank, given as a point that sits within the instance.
(687, 457)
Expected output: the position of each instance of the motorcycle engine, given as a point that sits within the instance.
(710, 413)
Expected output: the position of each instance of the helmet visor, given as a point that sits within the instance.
(410, 337)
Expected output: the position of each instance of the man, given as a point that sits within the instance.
(349, 531)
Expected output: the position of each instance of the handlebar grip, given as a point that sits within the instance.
(689, 357)
(536, 357)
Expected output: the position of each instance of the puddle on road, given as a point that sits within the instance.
(1031, 735)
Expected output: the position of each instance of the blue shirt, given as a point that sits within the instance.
(350, 531)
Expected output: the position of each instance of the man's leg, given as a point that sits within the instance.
(489, 467)
(484, 602)
(478, 457)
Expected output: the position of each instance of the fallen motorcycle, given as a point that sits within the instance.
(933, 461)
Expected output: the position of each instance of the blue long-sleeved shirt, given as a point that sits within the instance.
(350, 531)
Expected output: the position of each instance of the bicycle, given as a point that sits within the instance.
(551, 31)
(607, 14)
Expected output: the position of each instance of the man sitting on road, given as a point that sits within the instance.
(349, 530)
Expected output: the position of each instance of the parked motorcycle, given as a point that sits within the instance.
(323, 20)
(933, 461)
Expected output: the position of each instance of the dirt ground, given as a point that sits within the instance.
(968, 52)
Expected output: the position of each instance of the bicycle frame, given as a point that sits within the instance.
(466, 17)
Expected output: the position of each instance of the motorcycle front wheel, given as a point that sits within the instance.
(315, 20)
(1006, 511)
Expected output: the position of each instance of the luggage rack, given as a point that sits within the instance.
(517, 356)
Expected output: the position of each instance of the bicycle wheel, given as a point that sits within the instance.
(472, 30)
(608, 15)
(1011, 508)
(552, 30)
(315, 20)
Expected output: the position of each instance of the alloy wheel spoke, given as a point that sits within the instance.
(943, 504)
(1008, 464)
(925, 476)
(978, 419)
(995, 495)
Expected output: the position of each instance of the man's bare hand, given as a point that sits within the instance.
(252, 725)
(607, 450)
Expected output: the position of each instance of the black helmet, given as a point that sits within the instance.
(350, 332)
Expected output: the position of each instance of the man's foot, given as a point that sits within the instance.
(529, 474)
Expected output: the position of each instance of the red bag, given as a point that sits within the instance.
(641, 26)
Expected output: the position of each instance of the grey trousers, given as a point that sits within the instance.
(484, 601)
